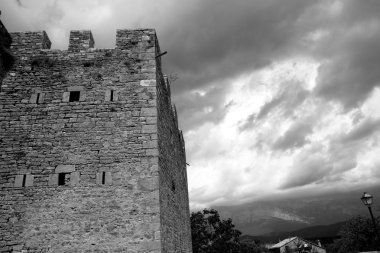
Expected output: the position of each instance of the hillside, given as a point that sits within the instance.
(325, 234)
(264, 217)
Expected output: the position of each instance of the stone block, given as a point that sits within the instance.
(150, 144)
(149, 129)
(149, 246)
(148, 184)
(108, 178)
(83, 96)
(66, 97)
(149, 112)
(75, 88)
(53, 179)
(99, 178)
(152, 152)
(33, 98)
(29, 180)
(64, 168)
(74, 178)
(19, 180)
(150, 82)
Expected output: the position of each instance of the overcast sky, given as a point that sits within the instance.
(275, 97)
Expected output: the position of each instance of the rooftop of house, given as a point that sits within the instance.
(283, 242)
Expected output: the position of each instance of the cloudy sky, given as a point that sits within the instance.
(275, 97)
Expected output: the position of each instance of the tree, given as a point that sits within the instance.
(357, 234)
(211, 234)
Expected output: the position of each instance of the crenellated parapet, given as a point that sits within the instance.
(141, 40)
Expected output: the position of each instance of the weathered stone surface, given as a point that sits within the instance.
(74, 178)
(148, 82)
(64, 168)
(29, 180)
(18, 180)
(149, 111)
(174, 200)
(99, 171)
(148, 184)
(81, 40)
(53, 180)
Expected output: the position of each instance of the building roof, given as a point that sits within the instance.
(286, 241)
(283, 242)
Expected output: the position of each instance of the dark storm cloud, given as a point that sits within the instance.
(308, 169)
(294, 137)
(352, 51)
(223, 39)
(224, 36)
(317, 165)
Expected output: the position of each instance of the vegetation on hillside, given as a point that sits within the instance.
(357, 234)
(210, 234)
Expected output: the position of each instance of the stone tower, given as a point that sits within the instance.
(91, 158)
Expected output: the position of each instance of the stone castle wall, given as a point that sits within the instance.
(174, 200)
(82, 145)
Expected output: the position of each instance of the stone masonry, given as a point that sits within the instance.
(91, 158)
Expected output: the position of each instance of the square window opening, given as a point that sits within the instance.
(74, 96)
(63, 178)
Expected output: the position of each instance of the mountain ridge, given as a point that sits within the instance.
(285, 215)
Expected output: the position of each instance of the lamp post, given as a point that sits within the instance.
(367, 200)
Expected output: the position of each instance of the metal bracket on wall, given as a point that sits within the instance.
(162, 54)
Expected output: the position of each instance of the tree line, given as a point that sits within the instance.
(211, 234)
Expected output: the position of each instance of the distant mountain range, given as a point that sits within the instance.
(278, 216)
(325, 234)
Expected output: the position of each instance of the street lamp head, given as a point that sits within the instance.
(366, 199)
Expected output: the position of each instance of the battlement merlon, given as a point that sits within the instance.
(30, 41)
(143, 39)
(81, 40)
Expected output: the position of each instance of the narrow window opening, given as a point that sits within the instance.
(62, 178)
(111, 95)
(74, 96)
(38, 98)
(173, 186)
(103, 178)
(23, 180)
